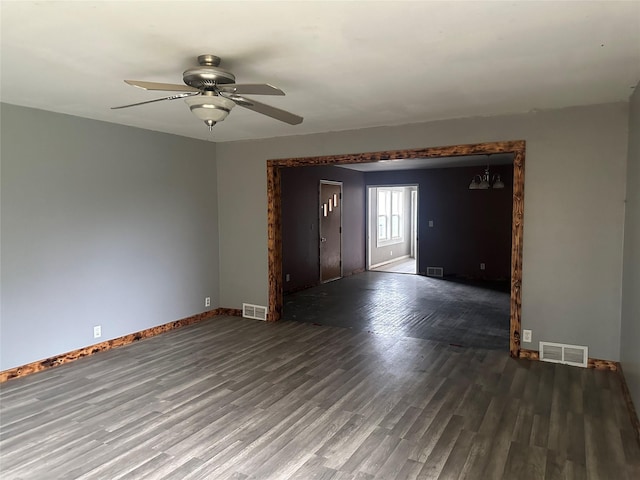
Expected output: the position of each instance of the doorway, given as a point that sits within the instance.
(392, 228)
(274, 214)
(330, 230)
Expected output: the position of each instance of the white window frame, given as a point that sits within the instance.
(394, 203)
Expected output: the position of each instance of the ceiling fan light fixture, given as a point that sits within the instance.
(210, 108)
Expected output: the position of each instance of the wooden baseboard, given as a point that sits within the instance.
(232, 312)
(529, 354)
(599, 364)
(596, 363)
(108, 345)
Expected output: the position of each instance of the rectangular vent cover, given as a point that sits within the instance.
(561, 353)
(435, 272)
(257, 312)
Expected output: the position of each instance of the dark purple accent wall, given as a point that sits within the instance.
(300, 209)
(470, 226)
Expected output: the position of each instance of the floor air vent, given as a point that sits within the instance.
(256, 312)
(561, 353)
(435, 272)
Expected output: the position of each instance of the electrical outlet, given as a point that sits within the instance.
(526, 336)
(391, 253)
(430, 223)
(97, 331)
(287, 277)
(482, 265)
(207, 301)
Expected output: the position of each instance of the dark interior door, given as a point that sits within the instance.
(330, 231)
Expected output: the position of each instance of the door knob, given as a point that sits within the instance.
(322, 239)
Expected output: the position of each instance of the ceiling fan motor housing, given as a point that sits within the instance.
(205, 78)
(208, 74)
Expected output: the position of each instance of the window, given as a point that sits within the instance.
(390, 213)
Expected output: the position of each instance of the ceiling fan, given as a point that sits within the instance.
(211, 93)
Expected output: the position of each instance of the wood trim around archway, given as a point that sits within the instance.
(274, 213)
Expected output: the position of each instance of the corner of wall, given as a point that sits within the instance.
(630, 302)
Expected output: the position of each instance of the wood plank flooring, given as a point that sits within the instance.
(231, 398)
(452, 312)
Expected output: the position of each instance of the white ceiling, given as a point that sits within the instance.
(344, 65)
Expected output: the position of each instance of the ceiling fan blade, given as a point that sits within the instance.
(267, 110)
(170, 97)
(250, 89)
(167, 87)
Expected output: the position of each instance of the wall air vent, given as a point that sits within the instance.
(575, 355)
(256, 312)
(435, 272)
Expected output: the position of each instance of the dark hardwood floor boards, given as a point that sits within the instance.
(462, 313)
(231, 398)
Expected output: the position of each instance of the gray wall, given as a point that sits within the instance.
(101, 225)
(574, 211)
(105, 224)
(630, 335)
